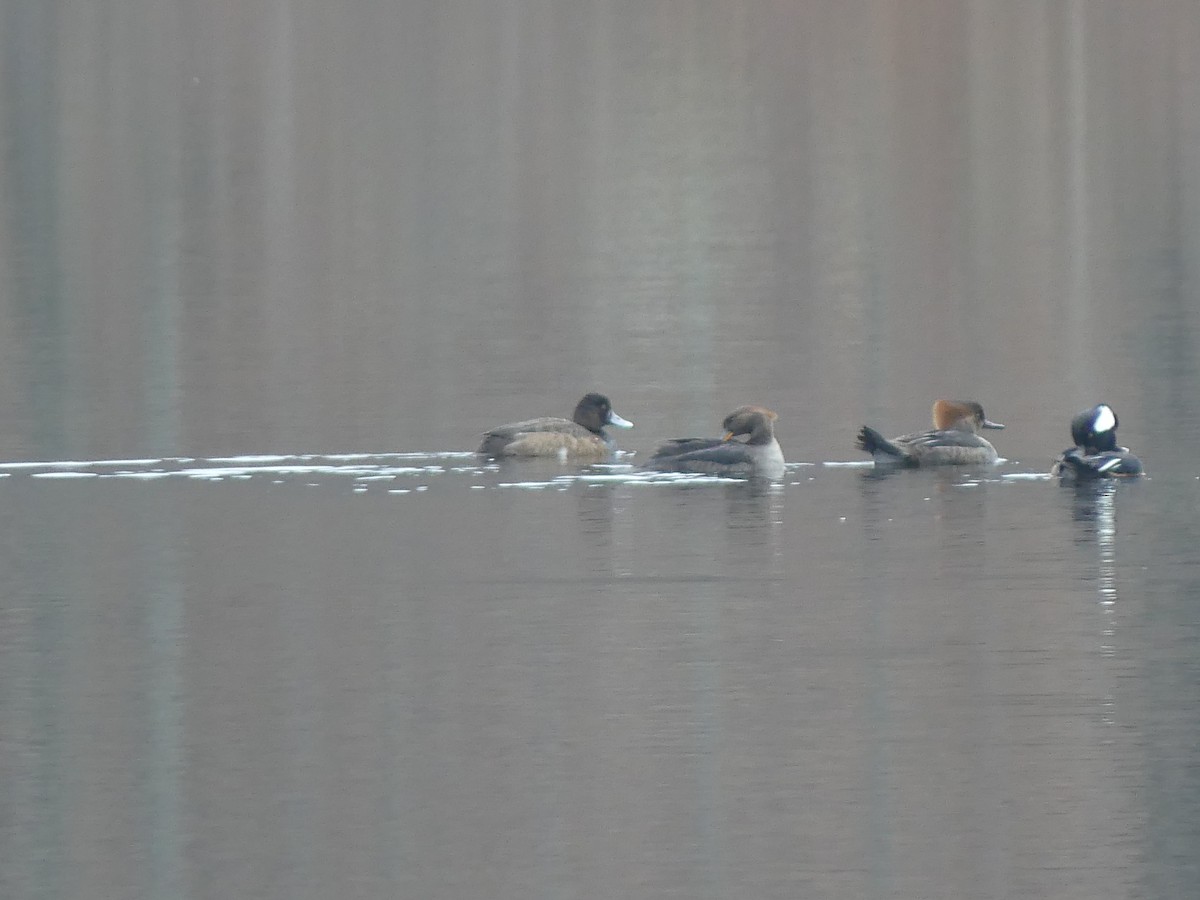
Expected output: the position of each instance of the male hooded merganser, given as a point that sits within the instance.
(581, 437)
(1096, 454)
(758, 456)
(953, 441)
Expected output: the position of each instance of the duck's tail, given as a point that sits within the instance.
(493, 444)
(1072, 465)
(883, 450)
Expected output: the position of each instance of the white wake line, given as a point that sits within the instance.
(255, 460)
(84, 464)
(216, 473)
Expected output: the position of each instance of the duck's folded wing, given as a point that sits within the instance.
(546, 423)
(679, 446)
(532, 437)
(725, 458)
(965, 439)
(1111, 464)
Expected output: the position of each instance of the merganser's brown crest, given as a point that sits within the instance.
(954, 439)
(581, 437)
(960, 415)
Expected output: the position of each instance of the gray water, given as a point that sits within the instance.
(269, 629)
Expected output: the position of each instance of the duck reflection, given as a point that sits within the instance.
(754, 520)
(734, 523)
(596, 511)
(753, 505)
(1093, 507)
(942, 510)
(1094, 510)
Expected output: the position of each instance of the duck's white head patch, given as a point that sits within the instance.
(1106, 419)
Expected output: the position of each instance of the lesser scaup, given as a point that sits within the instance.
(580, 437)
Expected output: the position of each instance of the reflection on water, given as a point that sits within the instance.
(236, 238)
(709, 664)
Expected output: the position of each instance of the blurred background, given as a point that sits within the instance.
(246, 227)
(272, 227)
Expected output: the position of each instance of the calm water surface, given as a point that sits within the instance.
(269, 629)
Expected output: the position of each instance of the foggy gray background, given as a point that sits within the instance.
(230, 229)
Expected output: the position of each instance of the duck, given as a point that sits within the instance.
(580, 437)
(758, 456)
(954, 439)
(1096, 454)
(729, 425)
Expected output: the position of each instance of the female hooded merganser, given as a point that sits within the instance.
(730, 424)
(1096, 454)
(953, 441)
(758, 456)
(581, 437)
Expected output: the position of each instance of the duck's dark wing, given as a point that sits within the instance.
(679, 446)
(1086, 466)
(1129, 465)
(725, 458)
(950, 438)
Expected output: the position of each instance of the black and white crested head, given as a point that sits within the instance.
(1104, 419)
(1095, 428)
